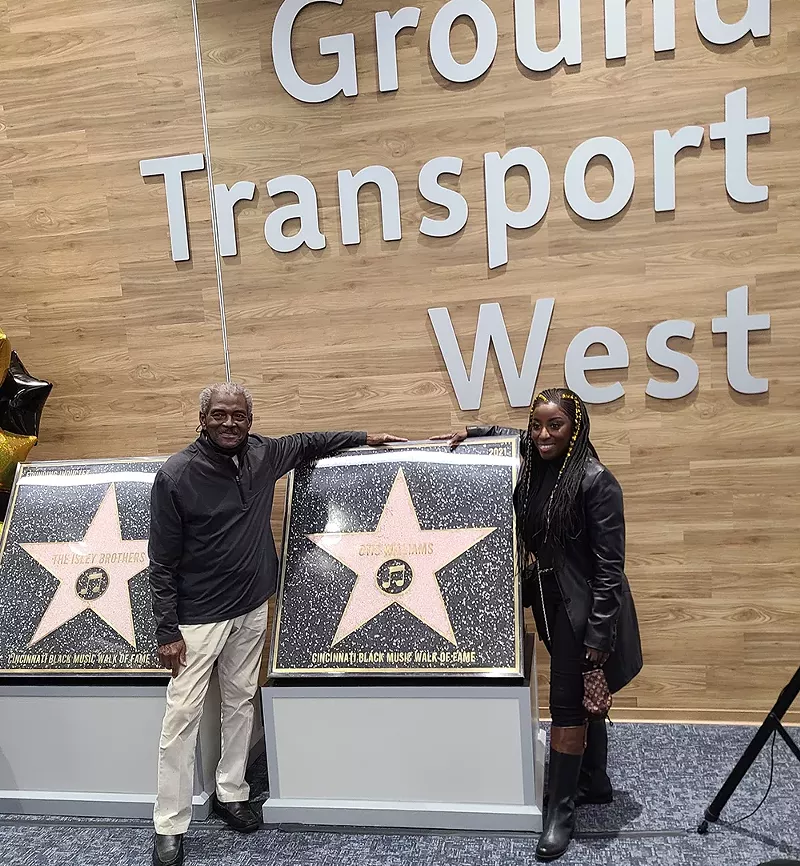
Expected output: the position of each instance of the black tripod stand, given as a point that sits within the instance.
(771, 724)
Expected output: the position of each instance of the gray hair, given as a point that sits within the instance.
(226, 389)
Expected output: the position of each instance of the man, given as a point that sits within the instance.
(213, 565)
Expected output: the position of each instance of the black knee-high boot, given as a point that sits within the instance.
(566, 754)
(594, 785)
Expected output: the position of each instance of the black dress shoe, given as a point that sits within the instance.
(167, 850)
(238, 816)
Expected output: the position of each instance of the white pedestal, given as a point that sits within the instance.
(93, 750)
(441, 757)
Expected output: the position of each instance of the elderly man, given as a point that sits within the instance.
(213, 566)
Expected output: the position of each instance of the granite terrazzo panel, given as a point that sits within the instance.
(401, 561)
(74, 593)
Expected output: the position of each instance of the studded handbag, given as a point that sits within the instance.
(597, 698)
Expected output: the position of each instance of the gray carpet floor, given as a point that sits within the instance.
(664, 775)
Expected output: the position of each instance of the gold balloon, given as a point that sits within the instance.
(5, 354)
(13, 450)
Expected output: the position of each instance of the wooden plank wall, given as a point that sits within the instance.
(340, 337)
(90, 296)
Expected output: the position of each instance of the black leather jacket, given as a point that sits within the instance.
(591, 574)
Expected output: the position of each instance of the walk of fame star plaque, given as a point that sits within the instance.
(74, 592)
(401, 560)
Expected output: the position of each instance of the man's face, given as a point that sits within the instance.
(227, 421)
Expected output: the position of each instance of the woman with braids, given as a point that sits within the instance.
(571, 543)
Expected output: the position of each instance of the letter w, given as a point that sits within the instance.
(492, 329)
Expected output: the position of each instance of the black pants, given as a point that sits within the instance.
(567, 659)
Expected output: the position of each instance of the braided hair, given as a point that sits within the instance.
(562, 519)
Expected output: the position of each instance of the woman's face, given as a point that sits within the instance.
(551, 431)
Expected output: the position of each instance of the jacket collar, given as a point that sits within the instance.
(220, 455)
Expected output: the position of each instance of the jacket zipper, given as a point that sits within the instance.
(238, 474)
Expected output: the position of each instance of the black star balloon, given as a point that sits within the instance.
(22, 398)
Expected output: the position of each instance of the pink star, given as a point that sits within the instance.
(93, 574)
(397, 564)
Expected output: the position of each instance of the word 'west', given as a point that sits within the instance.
(519, 383)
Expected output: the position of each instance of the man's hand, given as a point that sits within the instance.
(376, 439)
(173, 656)
(455, 438)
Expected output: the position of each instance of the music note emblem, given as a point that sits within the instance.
(91, 584)
(394, 576)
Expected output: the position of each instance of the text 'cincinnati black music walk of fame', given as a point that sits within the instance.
(74, 593)
(401, 560)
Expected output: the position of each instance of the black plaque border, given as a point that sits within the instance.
(87, 675)
(515, 672)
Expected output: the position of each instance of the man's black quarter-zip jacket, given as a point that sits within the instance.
(212, 554)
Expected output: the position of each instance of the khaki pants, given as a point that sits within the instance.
(236, 645)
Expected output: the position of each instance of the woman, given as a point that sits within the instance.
(571, 538)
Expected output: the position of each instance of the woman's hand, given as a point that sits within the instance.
(596, 656)
(455, 438)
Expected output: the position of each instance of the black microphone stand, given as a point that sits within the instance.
(770, 725)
